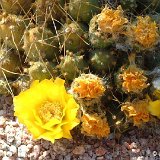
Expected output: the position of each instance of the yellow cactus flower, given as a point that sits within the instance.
(94, 125)
(137, 110)
(145, 32)
(111, 21)
(154, 106)
(133, 80)
(47, 110)
(88, 86)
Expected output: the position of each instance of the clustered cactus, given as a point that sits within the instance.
(109, 58)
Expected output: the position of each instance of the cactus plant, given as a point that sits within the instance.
(10, 64)
(102, 60)
(72, 65)
(16, 6)
(106, 27)
(83, 10)
(47, 10)
(41, 70)
(40, 42)
(12, 28)
(74, 37)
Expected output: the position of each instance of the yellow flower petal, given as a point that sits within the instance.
(154, 108)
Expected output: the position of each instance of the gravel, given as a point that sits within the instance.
(17, 144)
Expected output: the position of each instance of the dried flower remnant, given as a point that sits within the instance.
(47, 110)
(88, 86)
(137, 110)
(111, 21)
(95, 125)
(133, 80)
(145, 32)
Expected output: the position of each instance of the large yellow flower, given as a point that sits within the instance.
(47, 110)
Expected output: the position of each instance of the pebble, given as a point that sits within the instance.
(79, 150)
(133, 145)
(9, 154)
(100, 151)
(1, 153)
(2, 120)
(13, 149)
(22, 151)
(2, 112)
(10, 138)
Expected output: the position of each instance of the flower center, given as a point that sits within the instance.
(49, 110)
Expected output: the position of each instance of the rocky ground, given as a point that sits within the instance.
(17, 144)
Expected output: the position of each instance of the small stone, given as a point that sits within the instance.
(2, 133)
(79, 150)
(133, 145)
(45, 153)
(148, 151)
(18, 143)
(13, 149)
(100, 151)
(5, 158)
(9, 154)
(29, 146)
(10, 138)
(68, 157)
(2, 120)
(22, 151)
(2, 112)
(1, 153)
(101, 158)
(127, 145)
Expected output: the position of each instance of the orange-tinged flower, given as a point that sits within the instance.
(137, 110)
(88, 86)
(133, 80)
(94, 125)
(47, 110)
(145, 32)
(111, 21)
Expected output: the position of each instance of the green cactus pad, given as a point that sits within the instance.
(83, 10)
(40, 43)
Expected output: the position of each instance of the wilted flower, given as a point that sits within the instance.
(137, 110)
(88, 86)
(47, 110)
(94, 125)
(111, 21)
(145, 32)
(133, 80)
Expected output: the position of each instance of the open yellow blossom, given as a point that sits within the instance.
(154, 106)
(47, 110)
(133, 80)
(94, 125)
(111, 21)
(88, 86)
(145, 32)
(137, 110)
